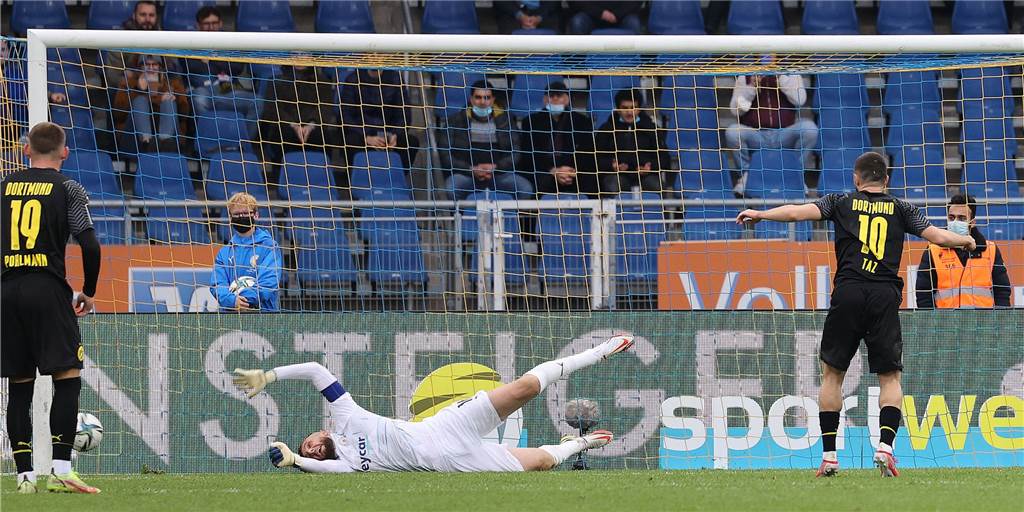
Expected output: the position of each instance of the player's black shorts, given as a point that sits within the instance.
(865, 311)
(39, 327)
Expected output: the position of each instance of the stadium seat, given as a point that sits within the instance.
(109, 14)
(378, 175)
(306, 177)
(918, 171)
(614, 31)
(776, 173)
(76, 119)
(980, 17)
(711, 222)
(264, 16)
(393, 243)
(690, 105)
(534, 32)
(512, 241)
(748, 17)
(181, 14)
(528, 93)
(830, 17)
(600, 101)
(837, 169)
(166, 178)
(344, 16)
(905, 17)
(27, 14)
(444, 17)
(701, 175)
(999, 220)
(912, 89)
(218, 132)
(842, 104)
(564, 241)
(95, 172)
(323, 257)
(453, 92)
(640, 230)
(675, 17)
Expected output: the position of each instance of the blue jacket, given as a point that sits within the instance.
(258, 256)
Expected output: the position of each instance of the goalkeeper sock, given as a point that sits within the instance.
(19, 424)
(563, 451)
(829, 421)
(64, 417)
(551, 371)
(888, 423)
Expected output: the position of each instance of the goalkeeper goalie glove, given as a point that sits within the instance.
(253, 381)
(280, 455)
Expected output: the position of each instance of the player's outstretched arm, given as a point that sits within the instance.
(946, 238)
(253, 381)
(785, 213)
(283, 457)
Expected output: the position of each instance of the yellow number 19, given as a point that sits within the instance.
(872, 234)
(25, 222)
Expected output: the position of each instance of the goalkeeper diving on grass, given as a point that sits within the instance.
(450, 441)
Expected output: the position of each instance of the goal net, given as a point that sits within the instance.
(413, 202)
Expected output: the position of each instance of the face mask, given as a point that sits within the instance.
(555, 108)
(241, 223)
(482, 111)
(959, 227)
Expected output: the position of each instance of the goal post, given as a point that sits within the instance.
(726, 357)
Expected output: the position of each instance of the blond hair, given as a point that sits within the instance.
(242, 199)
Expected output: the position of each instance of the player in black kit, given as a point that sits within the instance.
(869, 230)
(42, 209)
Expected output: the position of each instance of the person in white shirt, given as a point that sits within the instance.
(767, 107)
(450, 441)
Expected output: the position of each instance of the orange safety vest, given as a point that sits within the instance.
(958, 286)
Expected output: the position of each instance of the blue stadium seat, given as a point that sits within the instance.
(918, 171)
(986, 92)
(306, 177)
(76, 119)
(515, 256)
(755, 17)
(109, 14)
(443, 17)
(837, 169)
(998, 220)
(711, 222)
(701, 175)
(912, 89)
(913, 104)
(453, 91)
(614, 31)
(378, 175)
(344, 16)
(564, 241)
(691, 107)
(842, 103)
(831, 17)
(675, 17)
(534, 32)
(980, 17)
(264, 16)
(776, 173)
(528, 93)
(166, 178)
(181, 14)
(27, 14)
(393, 243)
(601, 100)
(95, 172)
(905, 17)
(323, 257)
(218, 132)
(640, 230)
(988, 140)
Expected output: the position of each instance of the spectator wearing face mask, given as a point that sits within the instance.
(558, 147)
(629, 148)
(252, 253)
(959, 278)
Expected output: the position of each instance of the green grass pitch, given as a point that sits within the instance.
(933, 489)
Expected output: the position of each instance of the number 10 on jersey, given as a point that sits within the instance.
(872, 234)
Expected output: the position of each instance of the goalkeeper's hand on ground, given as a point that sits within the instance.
(253, 381)
(280, 455)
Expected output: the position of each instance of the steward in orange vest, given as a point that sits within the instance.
(958, 278)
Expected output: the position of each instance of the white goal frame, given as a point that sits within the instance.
(40, 40)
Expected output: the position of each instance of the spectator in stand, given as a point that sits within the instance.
(217, 84)
(147, 106)
(590, 15)
(558, 147)
(14, 108)
(767, 107)
(300, 113)
(144, 17)
(252, 253)
(959, 278)
(374, 114)
(478, 145)
(629, 148)
(535, 14)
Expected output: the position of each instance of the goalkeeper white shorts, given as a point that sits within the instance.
(458, 431)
